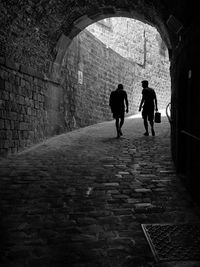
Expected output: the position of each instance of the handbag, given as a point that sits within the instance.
(157, 118)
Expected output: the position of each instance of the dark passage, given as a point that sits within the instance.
(81, 197)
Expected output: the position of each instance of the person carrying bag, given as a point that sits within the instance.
(148, 105)
(157, 117)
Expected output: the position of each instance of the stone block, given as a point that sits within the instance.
(7, 124)
(6, 144)
(28, 70)
(2, 125)
(28, 78)
(2, 60)
(142, 207)
(12, 125)
(142, 190)
(12, 65)
(29, 111)
(23, 126)
(111, 184)
(36, 104)
(21, 100)
(5, 95)
(2, 84)
(1, 145)
(15, 135)
(2, 135)
(12, 97)
(35, 96)
(22, 82)
(2, 105)
(13, 116)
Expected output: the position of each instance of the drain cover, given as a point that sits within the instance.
(173, 242)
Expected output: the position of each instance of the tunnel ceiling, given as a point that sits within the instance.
(31, 30)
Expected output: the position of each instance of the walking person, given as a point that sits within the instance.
(148, 104)
(118, 100)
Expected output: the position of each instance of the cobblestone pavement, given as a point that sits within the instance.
(79, 199)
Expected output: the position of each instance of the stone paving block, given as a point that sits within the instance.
(118, 176)
(61, 194)
(111, 184)
(121, 166)
(123, 173)
(109, 166)
(120, 196)
(133, 150)
(113, 191)
(159, 189)
(142, 190)
(132, 200)
(142, 205)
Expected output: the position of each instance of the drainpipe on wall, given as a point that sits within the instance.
(145, 49)
(143, 65)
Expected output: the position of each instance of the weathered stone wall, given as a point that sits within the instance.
(30, 29)
(101, 69)
(30, 107)
(141, 44)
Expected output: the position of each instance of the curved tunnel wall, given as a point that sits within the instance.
(101, 69)
(33, 107)
(29, 107)
(30, 34)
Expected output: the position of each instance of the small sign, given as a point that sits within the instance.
(80, 77)
(189, 74)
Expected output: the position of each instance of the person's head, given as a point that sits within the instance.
(145, 84)
(120, 86)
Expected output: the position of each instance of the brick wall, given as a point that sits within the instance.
(102, 69)
(141, 44)
(33, 107)
(29, 107)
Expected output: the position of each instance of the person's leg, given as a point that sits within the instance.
(151, 121)
(144, 116)
(117, 126)
(152, 129)
(146, 126)
(121, 124)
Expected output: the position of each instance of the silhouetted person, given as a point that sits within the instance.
(117, 102)
(148, 104)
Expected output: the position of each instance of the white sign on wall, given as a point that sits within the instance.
(80, 77)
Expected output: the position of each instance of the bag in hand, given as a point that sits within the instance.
(157, 117)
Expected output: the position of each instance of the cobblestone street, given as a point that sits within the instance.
(79, 199)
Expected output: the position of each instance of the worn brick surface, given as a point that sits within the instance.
(146, 53)
(61, 205)
(33, 107)
(28, 108)
(103, 67)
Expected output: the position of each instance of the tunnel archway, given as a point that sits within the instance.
(84, 21)
(80, 23)
(115, 50)
(34, 37)
(178, 30)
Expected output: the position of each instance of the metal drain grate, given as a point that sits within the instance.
(173, 242)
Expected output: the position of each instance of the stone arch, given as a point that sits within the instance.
(34, 37)
(152, 18)
(78, 54)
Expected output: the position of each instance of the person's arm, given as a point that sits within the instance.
(156, 104)
(126, 101)
(142, 100)
(110, 100)
(141, 103)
